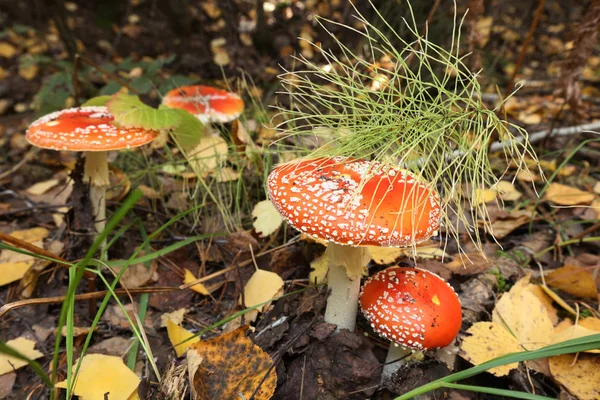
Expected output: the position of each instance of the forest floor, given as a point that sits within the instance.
(543, 258)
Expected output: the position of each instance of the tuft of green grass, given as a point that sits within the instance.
(405, 101)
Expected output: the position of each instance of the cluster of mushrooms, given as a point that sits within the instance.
(93, 131)
(352, 204)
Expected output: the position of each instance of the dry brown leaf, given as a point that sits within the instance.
(232, 366)
(564, 195)
(469, 263)
(503, 226)
(489, 340)
(581, 377)
(577, 281)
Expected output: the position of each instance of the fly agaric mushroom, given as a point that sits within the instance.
(206, 103)
(88, 129)
(413, 308)
(352, 204)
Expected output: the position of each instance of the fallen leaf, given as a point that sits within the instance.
(23, 346)
(564, 195)
(319, 266)
(180, 338)
(546, 300)
(576, 281)
(504, 225)
(223, 375)
(267, 217)
(176, 317)
(137, 275)
(208, 154)
(261, 287)
(489, 340)
(581, 377)
(198, 287)
(7, 382)
(29, 72)
(14, 265)
(100, 374)
(524, 315)
(7, 50)
(590, 323)
(469, 263)
(42, 187)
(13, 271)
(507, 191)
(484, 196)
(385, 255)
(574, 332)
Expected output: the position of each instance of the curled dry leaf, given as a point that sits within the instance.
(23, 346)
(198, 287)
(267, 217)
(577, 281)
(564, 195)
(231, 367)
(100, 374)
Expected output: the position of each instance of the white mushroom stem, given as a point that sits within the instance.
(95, 172)
(398, 353)
(346, 266)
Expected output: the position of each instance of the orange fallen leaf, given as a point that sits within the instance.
(577, 281)
(231, 367)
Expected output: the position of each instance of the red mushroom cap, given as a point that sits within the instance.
(412, 307)
(208, 104)
(85, 129)
(355, 202)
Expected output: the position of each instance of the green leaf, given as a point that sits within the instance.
(110, 88)
(174, 82)
(129, 111)
(97, 101)
(187, 135)
(142, 85)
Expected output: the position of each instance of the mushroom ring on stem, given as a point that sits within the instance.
(412, 307)
(88, 129)
(352, 204)
(206, 103)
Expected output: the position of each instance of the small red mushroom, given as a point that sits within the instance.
(412, 307)
(206, 103)
(353, 203)
(88, 129)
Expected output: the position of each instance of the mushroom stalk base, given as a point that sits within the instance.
(95, 172)
(394, 353)
(346, 265)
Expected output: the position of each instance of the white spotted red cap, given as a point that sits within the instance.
(85, 129)
(412, 307)
(206, 103)
(355, 202)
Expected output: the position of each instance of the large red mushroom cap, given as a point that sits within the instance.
(412, 307)
(355, 202)
(208, 104)
(85, 129)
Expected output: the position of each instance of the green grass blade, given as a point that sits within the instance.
(566, 347)
(498, 392)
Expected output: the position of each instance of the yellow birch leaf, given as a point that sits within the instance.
(176, 317)
(564, 195)
(577, 281)
(208, 154)
(552, 294)
(590, 323)
(267, 217)
(320, 266)
(232, 367)
(100, 374)
(384, 255)
(42, 187)
(546, 300)
(507, 191)
(484, 196)
(23, 346)
(179, 338)
(30, 72)
(262, 286)
(31, 235)
(489, 340)
(580, 378)
(13, 271)
(7, 50)
(574, 332)
(198, 287)
(524, 315)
